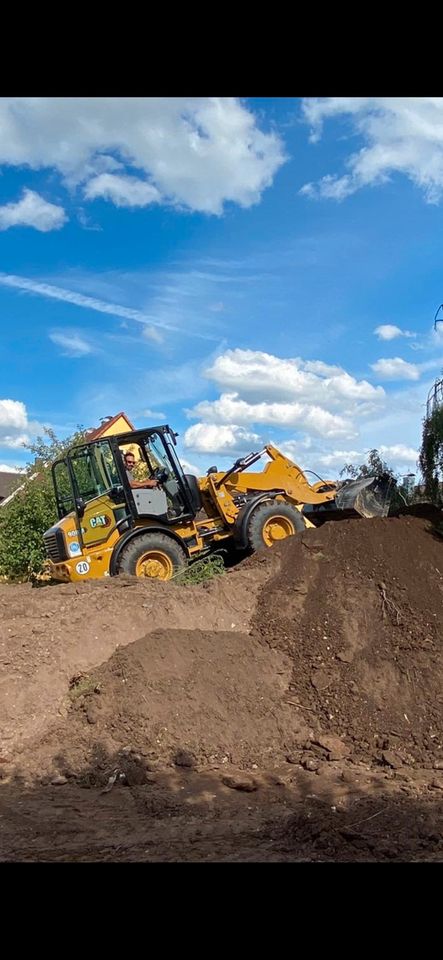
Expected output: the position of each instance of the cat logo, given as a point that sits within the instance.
(101, 521)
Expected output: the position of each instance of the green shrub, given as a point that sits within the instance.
(32, 510)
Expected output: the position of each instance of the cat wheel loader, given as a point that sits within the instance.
(107, 526)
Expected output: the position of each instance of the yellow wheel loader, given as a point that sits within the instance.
(108, 525)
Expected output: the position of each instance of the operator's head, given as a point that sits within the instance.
(129, 460)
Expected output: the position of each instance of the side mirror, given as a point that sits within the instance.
(161, 474)
(80, 507)
(211, 470)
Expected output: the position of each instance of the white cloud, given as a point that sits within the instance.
(14, 424)
(399, 452)
(190, 467)
(123, 191)
(328, 463)
(396, 369)
(32, 211)
(400, 135)
(156, 416)
(71, 343)
(398, 456)
(151, 333)
(338, 458)
(7, 468)
(231, 408)
(392, 453)
(310, 456)
(310, 409)
(263, 377)
(315, 398)
(196, 152)
(220, 438)
(13, 414)
(387, 331)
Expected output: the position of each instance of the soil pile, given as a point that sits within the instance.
(357, 605)
(291, 709)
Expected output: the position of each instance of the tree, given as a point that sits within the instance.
(431, 452)
(374, 467)
(32, 510)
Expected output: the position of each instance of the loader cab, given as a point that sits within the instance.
(154, 457)
(92, 481)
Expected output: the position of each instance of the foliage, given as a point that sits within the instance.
(431, 453)
(204, 569)
(32, 510)
(82, 685)
(375, 466)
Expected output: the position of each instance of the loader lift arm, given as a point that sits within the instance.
(241, 464)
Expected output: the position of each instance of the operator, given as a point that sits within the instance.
(129, 461)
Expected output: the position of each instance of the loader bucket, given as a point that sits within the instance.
(370, 497)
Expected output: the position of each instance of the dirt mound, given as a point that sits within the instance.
(358, 608)
(288, 710)
(338, 655)
(189, 698)
(50, 634)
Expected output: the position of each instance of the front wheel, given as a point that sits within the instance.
(152, 555)
(272, 522)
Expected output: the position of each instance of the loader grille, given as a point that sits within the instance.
(55, 545)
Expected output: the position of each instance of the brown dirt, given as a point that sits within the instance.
(52, 633)
(290, 710)
(358, 607)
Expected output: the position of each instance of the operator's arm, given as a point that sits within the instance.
(142, 484)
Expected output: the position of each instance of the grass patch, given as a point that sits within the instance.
(82, 685)
(205, 569)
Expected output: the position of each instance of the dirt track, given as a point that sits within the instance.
(291, 710)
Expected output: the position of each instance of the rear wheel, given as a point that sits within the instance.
(152, 555)
(272, 522)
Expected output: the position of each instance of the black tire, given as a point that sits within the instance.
(260, 528)
(153, 555)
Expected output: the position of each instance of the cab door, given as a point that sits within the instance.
(98, 490)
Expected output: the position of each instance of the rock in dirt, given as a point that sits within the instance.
(293, 757)
(239, 782)
(345, 656)
(184, 758)
(391, 760)
(309, 764)
(321, 680)
(336, 748)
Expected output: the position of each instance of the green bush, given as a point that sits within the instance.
(31, 511)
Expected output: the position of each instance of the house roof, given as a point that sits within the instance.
(8, 483)
(96, 434)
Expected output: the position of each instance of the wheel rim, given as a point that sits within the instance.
(277, 528)
(154, 564)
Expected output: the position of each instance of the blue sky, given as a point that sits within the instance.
(248, 270)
